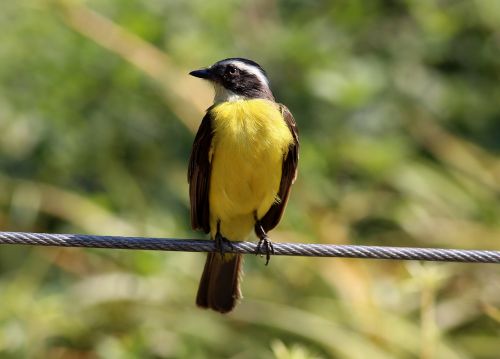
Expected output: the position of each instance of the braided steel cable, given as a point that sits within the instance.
(284, 249)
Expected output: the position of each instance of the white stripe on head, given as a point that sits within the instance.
(250, 69)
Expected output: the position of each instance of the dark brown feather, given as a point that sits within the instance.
(199, 175)
(220, 283)
(288, 175)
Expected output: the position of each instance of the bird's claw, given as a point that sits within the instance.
(221, 242)
(265, 246)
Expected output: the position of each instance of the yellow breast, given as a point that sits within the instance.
(249, 143)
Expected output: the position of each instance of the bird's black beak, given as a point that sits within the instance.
(202, 74)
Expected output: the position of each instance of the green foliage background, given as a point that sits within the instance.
(398, 107)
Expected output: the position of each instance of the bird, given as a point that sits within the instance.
(242, 166)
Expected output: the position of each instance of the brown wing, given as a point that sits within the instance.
(199, 175)
(288, 175)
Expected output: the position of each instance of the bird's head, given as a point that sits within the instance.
(236, 79)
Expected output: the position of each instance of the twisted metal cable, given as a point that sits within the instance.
(284, 249)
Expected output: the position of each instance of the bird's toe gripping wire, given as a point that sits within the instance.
(221, 242)
(265, 246)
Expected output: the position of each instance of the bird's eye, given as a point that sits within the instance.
(232, 70)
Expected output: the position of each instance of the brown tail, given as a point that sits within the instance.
(220, 283)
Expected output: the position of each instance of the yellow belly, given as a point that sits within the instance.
(249, 143)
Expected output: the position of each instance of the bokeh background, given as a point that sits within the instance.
(398, 104)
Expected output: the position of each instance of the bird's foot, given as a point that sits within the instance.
(265, 246)
(221, 242)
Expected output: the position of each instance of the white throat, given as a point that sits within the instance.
(222, 94)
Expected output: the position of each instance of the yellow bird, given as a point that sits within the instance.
(243, 163)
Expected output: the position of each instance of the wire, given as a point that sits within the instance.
(284, 249)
